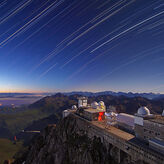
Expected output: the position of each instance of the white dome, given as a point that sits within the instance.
(74, 107)
(101, 103)
(94, 105)
(143, 111)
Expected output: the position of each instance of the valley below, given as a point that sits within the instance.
(14, 101)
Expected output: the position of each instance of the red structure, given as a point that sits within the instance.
(101, 116)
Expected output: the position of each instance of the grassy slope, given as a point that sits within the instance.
(16, 122)
(43, 108)
(8, 149)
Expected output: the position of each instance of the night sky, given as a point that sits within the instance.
(81, 45)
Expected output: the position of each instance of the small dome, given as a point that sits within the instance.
(74, 107)
(101, 103)
(143, 111)
(94, 105)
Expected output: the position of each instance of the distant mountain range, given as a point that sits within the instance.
(88, 94)
(129, 94)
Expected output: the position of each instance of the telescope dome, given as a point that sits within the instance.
(74, 107)
(94, 105)
(143, 111)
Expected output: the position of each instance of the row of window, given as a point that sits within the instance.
(152, 132)
(146, 154)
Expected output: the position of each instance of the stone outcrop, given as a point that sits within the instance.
(69, 143)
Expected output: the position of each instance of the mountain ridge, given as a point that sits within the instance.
(128, 94)
(149, 95)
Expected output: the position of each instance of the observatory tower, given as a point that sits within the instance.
(82, 102)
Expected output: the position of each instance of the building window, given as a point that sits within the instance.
(157, 134)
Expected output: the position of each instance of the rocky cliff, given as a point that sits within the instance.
(66, 144)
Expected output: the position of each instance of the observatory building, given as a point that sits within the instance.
(125, 122)
(150, 128)
(146, 127)
(140, 137)
(82, 102)
(92, 112)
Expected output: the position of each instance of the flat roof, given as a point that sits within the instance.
(123, 135)
(112, 130)
(115, 131)
(157, 119)
(91, 110)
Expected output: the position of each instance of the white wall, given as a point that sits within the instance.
(138, 120)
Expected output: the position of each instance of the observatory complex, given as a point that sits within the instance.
(139, 137)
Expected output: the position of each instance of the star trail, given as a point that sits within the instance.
(81, 45)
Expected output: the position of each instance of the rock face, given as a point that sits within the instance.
(66, 144)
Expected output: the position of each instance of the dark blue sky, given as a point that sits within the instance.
(89, 45)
